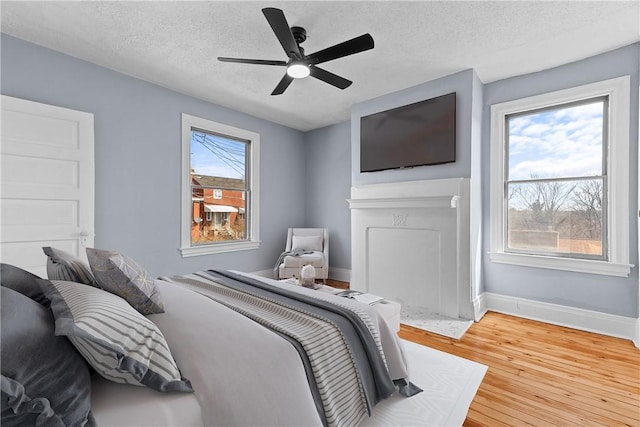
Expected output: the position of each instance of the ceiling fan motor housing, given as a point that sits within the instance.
(299, 34)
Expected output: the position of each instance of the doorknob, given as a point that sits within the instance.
(84, 234)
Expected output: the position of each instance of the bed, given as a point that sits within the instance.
(248, 350)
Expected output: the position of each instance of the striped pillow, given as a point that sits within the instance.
(122, 345)
(62, 265)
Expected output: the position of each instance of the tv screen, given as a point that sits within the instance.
(417, 134)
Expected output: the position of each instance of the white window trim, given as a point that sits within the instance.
(186, 249)
(618, 90)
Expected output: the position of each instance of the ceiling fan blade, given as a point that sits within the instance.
(280, 27)
(252, 61)
(355, 45)
(283, 85)
(330, 78)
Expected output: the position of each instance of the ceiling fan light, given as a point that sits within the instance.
(298, 70)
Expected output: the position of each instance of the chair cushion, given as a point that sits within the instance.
(309, 243)
(315, 259)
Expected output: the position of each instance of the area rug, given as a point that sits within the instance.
(449, 384)
(422, 318)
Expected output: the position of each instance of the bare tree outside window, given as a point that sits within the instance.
(588, 201)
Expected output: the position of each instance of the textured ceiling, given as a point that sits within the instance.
(175, 44)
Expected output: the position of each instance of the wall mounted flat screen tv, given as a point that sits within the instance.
(418, 134)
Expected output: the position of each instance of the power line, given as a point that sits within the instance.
(229, 152)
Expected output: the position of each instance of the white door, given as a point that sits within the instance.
(46, 182)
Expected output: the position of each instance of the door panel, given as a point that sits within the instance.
(47, 182)
(29, 171)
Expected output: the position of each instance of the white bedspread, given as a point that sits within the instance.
(114, 404)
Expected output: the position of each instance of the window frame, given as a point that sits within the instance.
(190, 122)
(617, 185)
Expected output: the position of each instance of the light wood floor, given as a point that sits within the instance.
(544, 375)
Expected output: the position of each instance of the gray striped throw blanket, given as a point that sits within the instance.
(340, 348)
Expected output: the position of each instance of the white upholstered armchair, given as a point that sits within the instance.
(315, 243)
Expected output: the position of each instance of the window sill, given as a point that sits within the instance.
(218, 248)
(566, 264)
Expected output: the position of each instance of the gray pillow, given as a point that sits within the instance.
(118, 342)
(121, 275)
(22, 281)
(45, 381)
(62, 265)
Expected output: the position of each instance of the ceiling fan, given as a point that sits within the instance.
(300, 65)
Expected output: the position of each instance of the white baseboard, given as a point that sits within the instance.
(576, 318)
(341, 274)
(479, 307)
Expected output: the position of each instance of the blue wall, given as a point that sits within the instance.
(137, 149)
(613, 295)
(328, 185)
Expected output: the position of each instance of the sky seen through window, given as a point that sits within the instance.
(214, 155)
(559, 143)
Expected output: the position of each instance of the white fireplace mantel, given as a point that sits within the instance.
(410, 242)
(432, 188)
(405, 202)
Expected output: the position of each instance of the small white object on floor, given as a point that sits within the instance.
(422, 318)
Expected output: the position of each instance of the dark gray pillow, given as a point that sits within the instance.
(22, 281)
(62, 265)
(123, 276)
(45, 381)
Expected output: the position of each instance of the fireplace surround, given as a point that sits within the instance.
(410, 243)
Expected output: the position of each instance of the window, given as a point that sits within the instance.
(555, 177)
(219, 187)
(559, 179)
